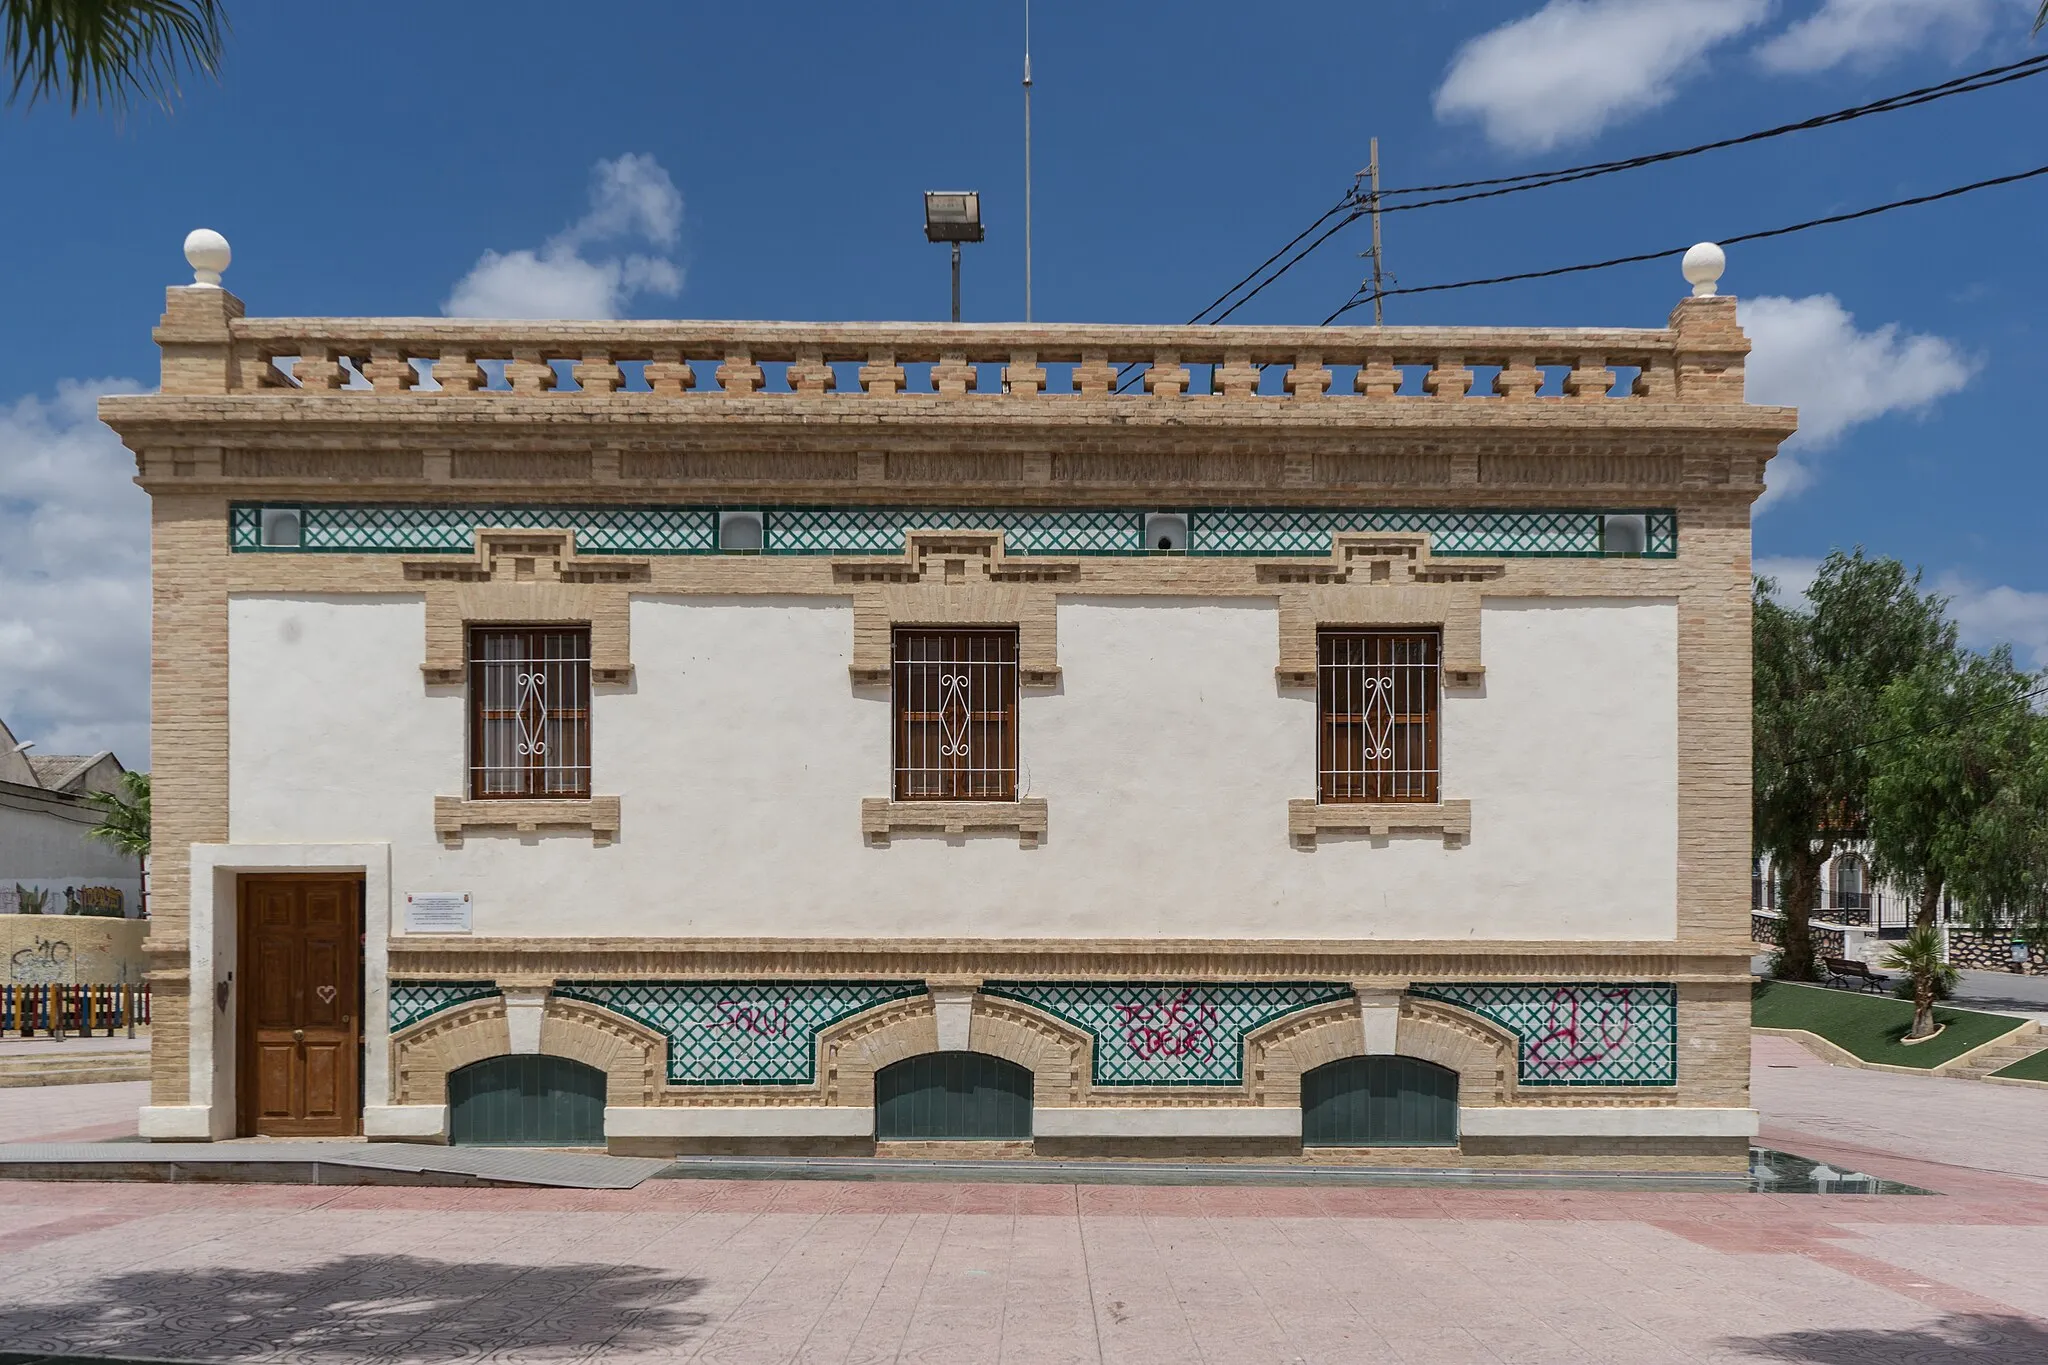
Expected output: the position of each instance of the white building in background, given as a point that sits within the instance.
(49, 864)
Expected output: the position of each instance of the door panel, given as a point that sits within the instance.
(301, 1017)
(526, 1100)
(1380, 1101)
(953, 1095)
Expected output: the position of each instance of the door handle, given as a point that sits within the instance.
(298, 1035)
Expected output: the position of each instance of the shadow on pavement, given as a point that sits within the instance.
(360, 1308)
(1958, 1339)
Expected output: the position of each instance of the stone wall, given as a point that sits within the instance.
(1828, 940)
(1975, 950)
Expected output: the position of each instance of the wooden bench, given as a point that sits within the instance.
(1843, 971)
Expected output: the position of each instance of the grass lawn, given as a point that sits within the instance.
(2034, 1068)
(1870, 1026)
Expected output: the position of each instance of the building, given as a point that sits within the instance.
(1858, 915)
(50, 865)
(1145, 741)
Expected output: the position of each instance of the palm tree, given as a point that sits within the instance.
(1919, 957)
(108, 52)
(124, 823)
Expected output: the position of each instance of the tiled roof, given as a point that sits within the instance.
(54, 770)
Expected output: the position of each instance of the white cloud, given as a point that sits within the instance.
(1988, 616)
(573, 274)
(1985, 616)
(1573, 67)
(1808, 353)
(1868, 33)
(74, 578)
(1792, 573)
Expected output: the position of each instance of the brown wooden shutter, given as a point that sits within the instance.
(529, 712)
(1376, 698)
(955, 698)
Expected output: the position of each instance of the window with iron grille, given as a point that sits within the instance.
(529, 712)
(956, 715)
(1377, 701)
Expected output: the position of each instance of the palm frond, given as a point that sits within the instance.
(108, 52)
(124, 815)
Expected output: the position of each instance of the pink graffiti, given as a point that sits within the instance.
(1180, 1027)
(1579, 1032)
(762, 1021)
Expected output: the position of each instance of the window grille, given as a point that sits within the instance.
(1377, 697)
(956, 715)
(529, 697)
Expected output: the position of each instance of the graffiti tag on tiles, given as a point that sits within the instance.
(1580, 1034)
(754, 1018)
(1168, 1033)
(1582, 1029)
(1181, 1026)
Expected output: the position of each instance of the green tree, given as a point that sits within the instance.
(1919, 957)
(108, 52)
(124, 823)
(1820, 671)
(2000, 872)
(1953, 736)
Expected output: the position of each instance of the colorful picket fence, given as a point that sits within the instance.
(29, 1010)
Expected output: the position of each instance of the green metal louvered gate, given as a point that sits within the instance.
(1379, 1102)
(528, 1100)
(952, 1095)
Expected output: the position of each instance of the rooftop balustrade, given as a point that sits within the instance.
(210, 347)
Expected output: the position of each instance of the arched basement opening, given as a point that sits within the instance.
(526, 1100)
(1379, 1102)
(953, 1096)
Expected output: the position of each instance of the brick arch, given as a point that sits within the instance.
(633, 1057)
(1484, 1054)
(423, 1055)
(1055, 1052)
(1480, 1051)
(851, 1051)
(1277, 1055)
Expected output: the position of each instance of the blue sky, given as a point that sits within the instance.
(748, 161)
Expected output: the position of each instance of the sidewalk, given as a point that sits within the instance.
(775, 1271)
(14, 1045)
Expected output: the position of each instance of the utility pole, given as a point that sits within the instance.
(1373, 169)
(1027, 160)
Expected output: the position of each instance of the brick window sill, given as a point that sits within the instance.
(1451, 819)
(881, 817)
(454, 817)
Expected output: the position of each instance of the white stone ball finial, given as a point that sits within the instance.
(206, 251)
(1703, 265)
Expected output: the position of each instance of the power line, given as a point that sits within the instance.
(1350, 197)
(1361, 298)
(1961, 85)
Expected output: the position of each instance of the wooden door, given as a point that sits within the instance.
(299, 1013)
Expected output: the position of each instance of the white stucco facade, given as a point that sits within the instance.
(741, 751)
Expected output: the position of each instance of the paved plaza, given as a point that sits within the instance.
(815, 1271)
